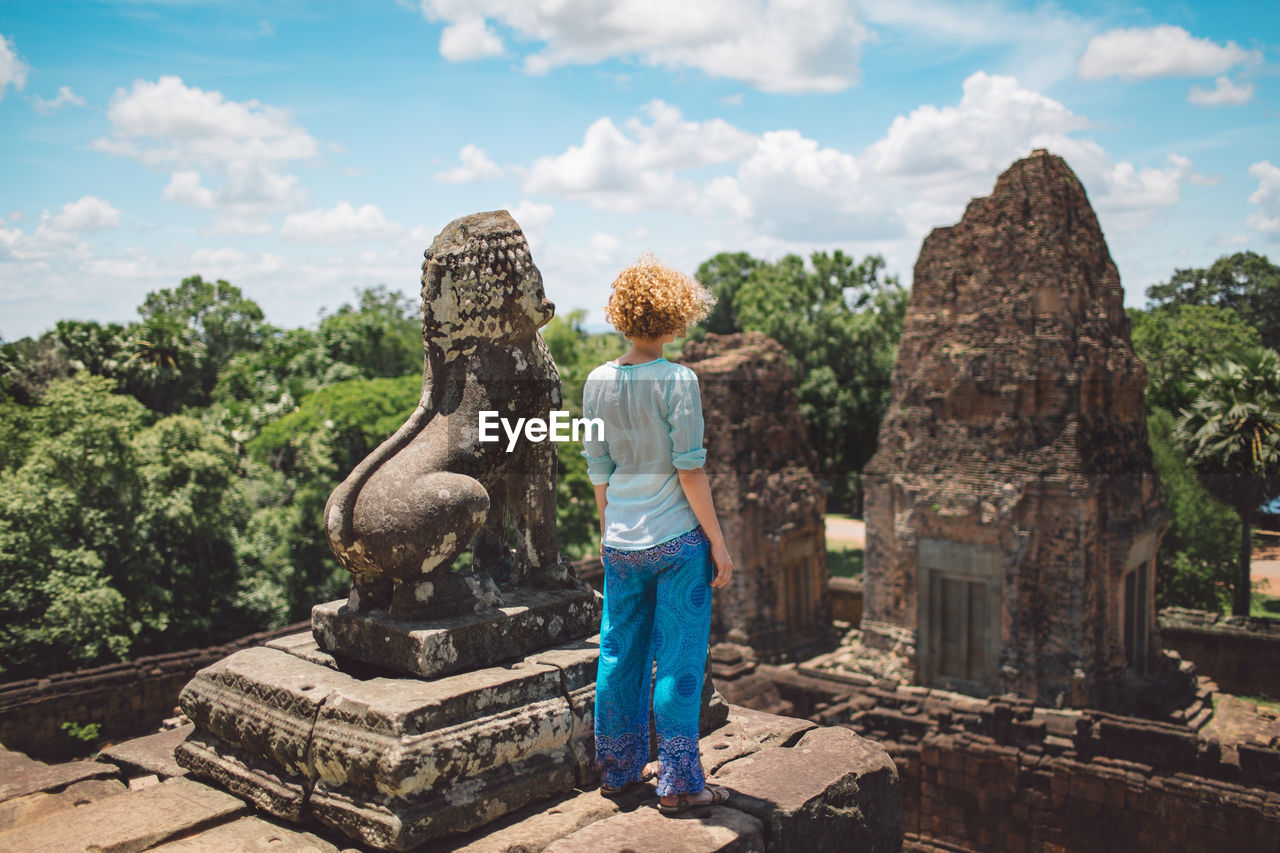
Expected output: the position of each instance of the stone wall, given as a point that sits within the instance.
(126, 699)
(769, 503)
(1241, 654)
(846, 600)
(1003, 774)
(1012, 509)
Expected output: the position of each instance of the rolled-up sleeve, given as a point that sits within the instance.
(684, 419)
(600, 464)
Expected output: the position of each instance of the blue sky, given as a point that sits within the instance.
(304, 149)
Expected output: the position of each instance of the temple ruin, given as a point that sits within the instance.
(769, 502)
(1012, 511)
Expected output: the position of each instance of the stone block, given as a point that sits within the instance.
(149, 754)
(537, 825)
(24, 778)
(37, 806)
(249, 834)
(711, 829)
(137, 820)
(833, 790)
(267, 786)
(303, 645)
(747, 731)
(263, 701)
(392, 761)
(530, 620)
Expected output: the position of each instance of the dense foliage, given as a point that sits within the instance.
(840, 321)
(1231, 433)
(1246, 282)
(164, 480)
(1199, 337)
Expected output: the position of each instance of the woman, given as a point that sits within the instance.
(660, 539)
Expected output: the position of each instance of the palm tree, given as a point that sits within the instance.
(1232, 436)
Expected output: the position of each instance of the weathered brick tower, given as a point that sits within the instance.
(769, 502)
(1012, 510)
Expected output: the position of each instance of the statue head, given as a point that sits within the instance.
(479, 284)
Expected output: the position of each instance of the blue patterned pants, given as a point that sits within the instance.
(657, 605)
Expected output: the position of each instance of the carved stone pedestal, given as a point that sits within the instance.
(530, 619)
(391, 761)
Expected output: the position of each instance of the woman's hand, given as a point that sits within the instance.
(724, 566)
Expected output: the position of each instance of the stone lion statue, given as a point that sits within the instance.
(405, 513)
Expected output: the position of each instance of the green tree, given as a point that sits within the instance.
(187, 334)
(224, 320)
(28, 365)
(576, 354)
(1246, 282)
(182, 586)
(1197, 558)
(288, 566)
(92, 346)
(380, 336)
(165, 365)
(355, 415)
(67, 528)
(724, 275)
(840, 321)
(1232, 434)
(1173, 340)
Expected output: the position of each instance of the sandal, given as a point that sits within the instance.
(684, 802)
(648, 774)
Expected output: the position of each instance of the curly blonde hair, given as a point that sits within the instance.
(650, 300)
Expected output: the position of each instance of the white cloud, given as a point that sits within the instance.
(785, 187)
(134, 265)
(1267, 198)
(13, 71)
(185, 188)
(65, 96)
(469, 38)
(341, 223)
(1223, 94)
(1129, 189)
(533, 219)
(603, 247)
(235, 264)
(794, 189)
(476, 166)
(996, 121)
(634, 167)
(946, 155)
(230, 225)
(774, 45)
(89, 213)
(1161, 51)
(167, 124)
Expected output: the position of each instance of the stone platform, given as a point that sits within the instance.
(391, 761)
(795, 787)
(529, 620)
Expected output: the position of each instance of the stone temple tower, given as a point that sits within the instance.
(1012, 510)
